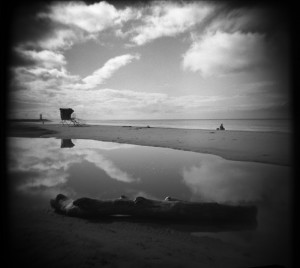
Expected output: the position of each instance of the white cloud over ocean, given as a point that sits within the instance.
(44, 58)
(160, 18)
(111, 66)
(92, 18)
(221, 53)
(53, 73)
(169, 19)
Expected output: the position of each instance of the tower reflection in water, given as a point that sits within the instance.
(66, 143)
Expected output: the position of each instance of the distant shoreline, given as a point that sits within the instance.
(29, 120)
(205, 124)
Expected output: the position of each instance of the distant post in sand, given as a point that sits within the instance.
(41, 118)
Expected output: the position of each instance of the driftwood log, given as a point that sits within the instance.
(168, 209)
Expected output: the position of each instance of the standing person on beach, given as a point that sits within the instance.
(41, 118)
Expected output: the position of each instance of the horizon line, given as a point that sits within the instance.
(123, 119)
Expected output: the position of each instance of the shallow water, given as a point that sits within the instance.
(40, 168)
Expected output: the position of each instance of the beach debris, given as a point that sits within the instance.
(141, 207)
(169, 198)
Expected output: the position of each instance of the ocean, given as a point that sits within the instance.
(278, 125)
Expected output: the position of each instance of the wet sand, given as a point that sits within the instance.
(263, 147)
(42, 238)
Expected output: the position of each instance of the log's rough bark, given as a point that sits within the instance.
(169, 209)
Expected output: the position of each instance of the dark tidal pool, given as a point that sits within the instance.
(40, 168)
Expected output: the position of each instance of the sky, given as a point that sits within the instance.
(150, 60)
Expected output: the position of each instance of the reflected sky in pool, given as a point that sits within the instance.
(40, 168)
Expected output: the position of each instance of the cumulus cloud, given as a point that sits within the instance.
(222, 53)
(46, 74)
(111, 66)
(45, 58)
(57, 39)
(168, 19)
(92, 18)
(36, 79)
(136, 104)
(60, 39)
(245, 19)
(49, 67)
(142, 24)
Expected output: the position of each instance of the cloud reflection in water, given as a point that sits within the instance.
(220, 180)
(47, 164)
(41, 164)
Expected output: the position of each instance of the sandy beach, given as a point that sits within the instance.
(264, 147)
(42, 238)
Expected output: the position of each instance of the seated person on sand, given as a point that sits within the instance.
(221, 127)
